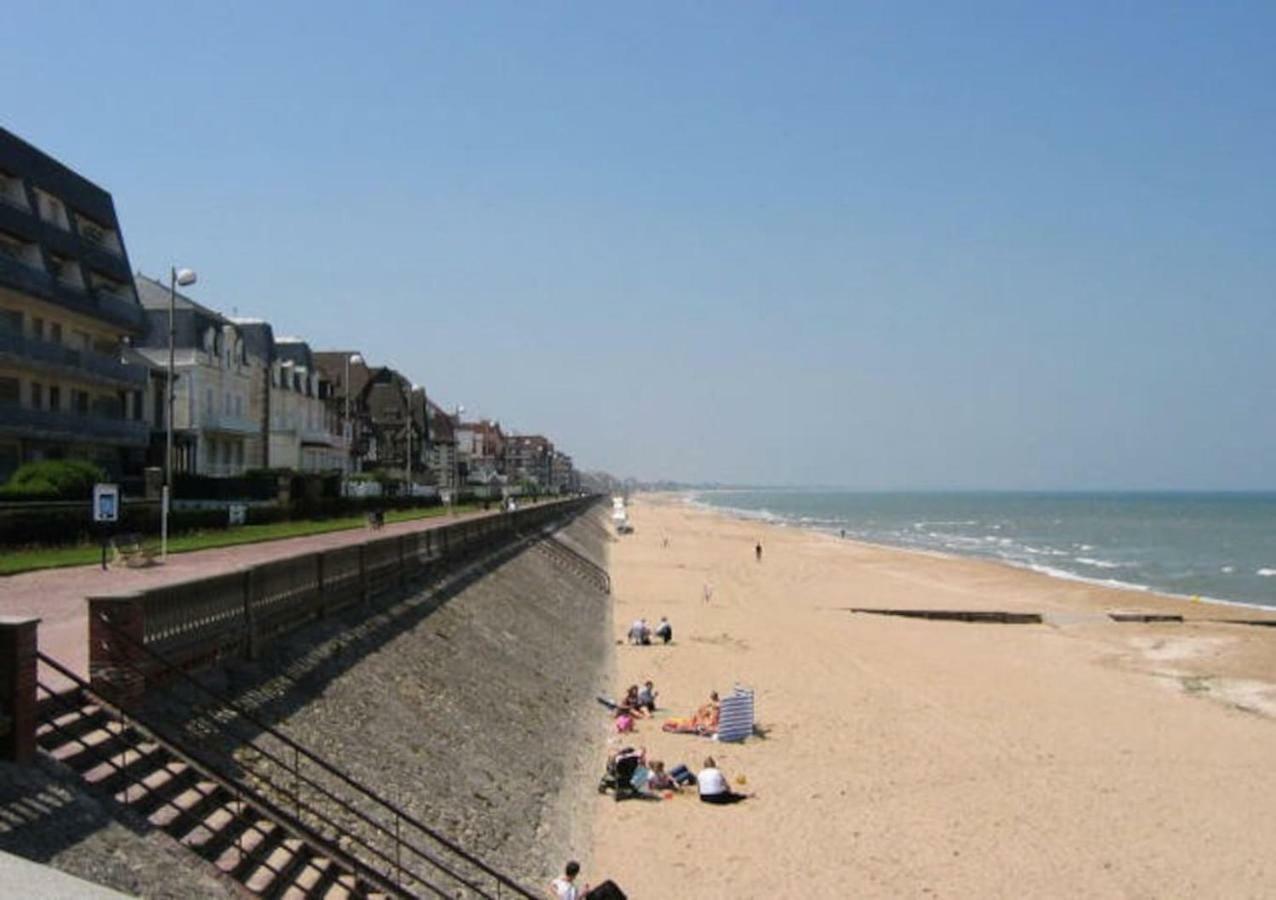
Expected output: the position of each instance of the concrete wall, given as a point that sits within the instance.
(471, 705)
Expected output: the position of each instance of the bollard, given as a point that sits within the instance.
(17, 688)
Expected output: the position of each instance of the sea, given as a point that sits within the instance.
(1219, 547)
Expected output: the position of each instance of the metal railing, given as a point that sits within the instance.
(74, 427)
(79, 361)
(401, 849)
(245, 797)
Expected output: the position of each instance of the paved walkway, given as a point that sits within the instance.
(57, 596)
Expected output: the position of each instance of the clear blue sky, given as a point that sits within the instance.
(885, 245)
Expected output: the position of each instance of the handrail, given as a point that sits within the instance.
(168, 668)
(552, 541)
(264, 807)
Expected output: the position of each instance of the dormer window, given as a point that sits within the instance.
(96, 233)
(12, 192)
(51, 209)
(20, 251)
(104, 284)
(66, 271)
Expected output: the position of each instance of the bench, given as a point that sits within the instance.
(130, 551)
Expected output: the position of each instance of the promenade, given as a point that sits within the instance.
(57, 596)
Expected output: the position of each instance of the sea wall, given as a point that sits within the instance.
(469, 704)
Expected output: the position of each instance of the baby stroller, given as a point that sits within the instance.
(619, 777)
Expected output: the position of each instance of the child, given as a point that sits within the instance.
(647, 697)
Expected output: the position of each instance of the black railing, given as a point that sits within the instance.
(403, 850)
(235, 791)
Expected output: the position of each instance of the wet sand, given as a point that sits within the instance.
(905, 757)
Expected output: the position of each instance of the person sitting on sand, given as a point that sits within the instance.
(664, 630)
(640, 632)
(713, 787)
(632, 703)
(661, 780)
(705, 720)
(624, 721)
(647, 697)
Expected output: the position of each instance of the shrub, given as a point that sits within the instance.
(62, 479)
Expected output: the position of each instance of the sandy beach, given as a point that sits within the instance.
(906, 757)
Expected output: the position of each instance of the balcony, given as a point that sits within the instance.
(226, 422)
(64, 426)
(39, 283)
(72, 363)
(321, 437)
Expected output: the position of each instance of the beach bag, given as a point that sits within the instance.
(682, 774)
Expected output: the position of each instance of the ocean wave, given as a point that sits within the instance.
(1073, 576)
(1228, 570)
(1266, 573)
(1099, 563)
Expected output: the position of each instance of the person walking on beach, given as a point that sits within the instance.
(757, 551)
(708, 592)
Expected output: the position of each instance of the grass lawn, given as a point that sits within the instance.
(13, 562)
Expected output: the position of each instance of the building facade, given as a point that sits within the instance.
(306, 430)
(67, 309)
(216, 428)
(480, 449)
(529, 458)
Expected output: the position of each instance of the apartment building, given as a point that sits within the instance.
(67, 309)
(306, 429)
(563, 475)
(480, 448)
(529, 457)
(443, 459)
(216, 428)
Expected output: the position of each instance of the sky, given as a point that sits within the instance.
(882, 246)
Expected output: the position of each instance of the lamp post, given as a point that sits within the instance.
(455, 494)
(349, 428)
(184, 277)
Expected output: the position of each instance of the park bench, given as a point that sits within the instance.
(130, 550)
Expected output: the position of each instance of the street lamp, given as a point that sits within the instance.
(349, 429)
(455, 494)
(184, 277)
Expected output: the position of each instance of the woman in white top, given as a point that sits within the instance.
(713, 787)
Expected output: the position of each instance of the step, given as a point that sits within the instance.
(307, 881)
(288, 862)
(71, 724)
(189, 809)
(102, 745)
(224, 830)
(154, 803)
(257, 844)
(124, 772)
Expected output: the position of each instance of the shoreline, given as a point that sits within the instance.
(776, 521)
(903, 756)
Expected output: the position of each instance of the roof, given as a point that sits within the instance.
(153, 294)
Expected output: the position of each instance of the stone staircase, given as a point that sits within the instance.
(214, 820)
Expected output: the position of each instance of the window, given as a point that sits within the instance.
(37, 395)
(80, 402)
(9, 391)
(20, 251)
(66, 271)
(37, 328)
(55, 332)
(81, 340)
(137, 406)
(98, 234)
(11, 320)
(51, 209)
(11, 191)
(55, 398)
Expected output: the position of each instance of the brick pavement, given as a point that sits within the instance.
(57, 596)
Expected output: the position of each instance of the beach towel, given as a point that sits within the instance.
(682, 726)
(735, 722)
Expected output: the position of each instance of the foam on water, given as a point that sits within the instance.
(1185, 545)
